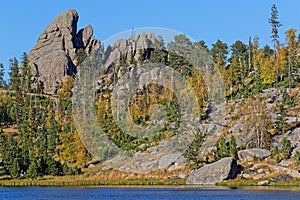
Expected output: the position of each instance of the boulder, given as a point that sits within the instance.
(167, 161)
(285, 163)
(249, 154)
(223, 169)
(292, 135)
(53, 57)
(263, 183)
(149, 165)
(297, 148)
(245, 139)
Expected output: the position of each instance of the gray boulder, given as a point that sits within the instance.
(292, 135)
(223, 169)
(167, 161)
(149, 165)
(263, 183)
(249, 154)
(297, 148)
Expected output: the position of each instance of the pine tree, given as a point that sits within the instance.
(11, 157)
(2, 81)
(286, 148)
(14, 74)
(15, 170)
(52, 134)
(238, 60)
(292, 55)
(26, 75)
(232, 147)
(275, 24)
(219, 53)
(281, 124)
(222, 149)
(192, 153)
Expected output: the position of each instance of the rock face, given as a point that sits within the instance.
(249, 154)
(53, 58)
(223, 169)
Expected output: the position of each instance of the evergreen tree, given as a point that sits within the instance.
(52, 134)
(26, 75)
(180, 46)
(11, 157)
(192, 153)
(2, 81)
(275, 25)
(286, 148)
(281, 124)
(201, 44)
(292, 55)
(219, 53)
(232, 147)
(15, 170)
(14, 74)
(34, 169)
(238, 60)
(222, 149)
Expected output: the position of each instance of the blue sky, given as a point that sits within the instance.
(23, 21)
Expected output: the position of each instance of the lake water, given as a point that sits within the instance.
(150, 193)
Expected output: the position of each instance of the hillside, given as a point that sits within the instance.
(147, 108)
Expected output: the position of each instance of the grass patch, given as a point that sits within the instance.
(238, 183)
(26, 182)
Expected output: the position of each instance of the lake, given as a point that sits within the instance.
(148, 193)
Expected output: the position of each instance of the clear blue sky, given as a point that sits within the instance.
(23, 21)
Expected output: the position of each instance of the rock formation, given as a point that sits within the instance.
(53, 58)
(130, 49)
(249, 154)
(223, 169)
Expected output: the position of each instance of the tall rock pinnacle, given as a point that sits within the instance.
(53, 57)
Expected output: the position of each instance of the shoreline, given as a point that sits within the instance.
(59, 182)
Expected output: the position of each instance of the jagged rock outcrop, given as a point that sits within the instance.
(53, 58)
(249, 154)
(223, 169)
(130, 49)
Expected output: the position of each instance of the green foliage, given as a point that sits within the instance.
(14, 74)
(275, 152)
(233, 147)
(80, 56)
(281, 124)
(11, 156)
(219, 52)
(15, 170)
(192, 153)
(34, 169)
(274, 22)
(286, 148)
(2, 81)
(222, 149)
